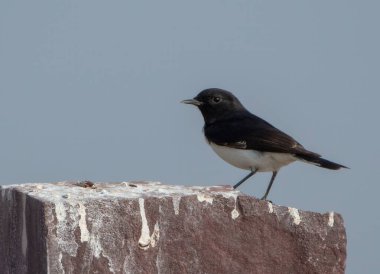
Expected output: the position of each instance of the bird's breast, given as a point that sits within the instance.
(252, 159)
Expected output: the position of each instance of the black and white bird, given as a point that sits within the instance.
(246, 141)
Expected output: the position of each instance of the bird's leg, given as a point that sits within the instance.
(245, 178)
(270, 185)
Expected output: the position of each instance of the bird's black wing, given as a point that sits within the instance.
(247, 131)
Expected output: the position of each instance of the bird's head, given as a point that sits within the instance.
(215, 103)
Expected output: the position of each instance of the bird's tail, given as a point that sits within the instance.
(318, 161)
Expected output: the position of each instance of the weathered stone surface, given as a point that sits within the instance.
(143, 227)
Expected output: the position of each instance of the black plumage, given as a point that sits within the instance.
(229, 124)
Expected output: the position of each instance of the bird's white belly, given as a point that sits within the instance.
(253, 160)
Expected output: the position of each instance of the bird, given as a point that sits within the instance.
(247, 141)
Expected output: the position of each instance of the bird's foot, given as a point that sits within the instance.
(264, 198)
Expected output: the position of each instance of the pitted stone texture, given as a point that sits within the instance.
(147, 227)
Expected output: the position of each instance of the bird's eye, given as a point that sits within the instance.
(216, 99)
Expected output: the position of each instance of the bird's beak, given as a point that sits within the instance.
(192, 102)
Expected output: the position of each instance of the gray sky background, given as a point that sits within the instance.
(91, 90)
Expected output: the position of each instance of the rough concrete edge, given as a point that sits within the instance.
(333, 219)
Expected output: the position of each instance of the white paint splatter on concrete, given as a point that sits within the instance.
(270, 207)
(155, 235)
(295, 215)
(235, 212)
(96, 237)
(331, 219)
(176, 201)
(70, 214)
(61, 268)
(73, 221)
(96, 247)
(84, 233)
(229, 194)
(205, 198)
(3, 192)
(9, 196)
(144, 240)
(53, 192)
(66, 225)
